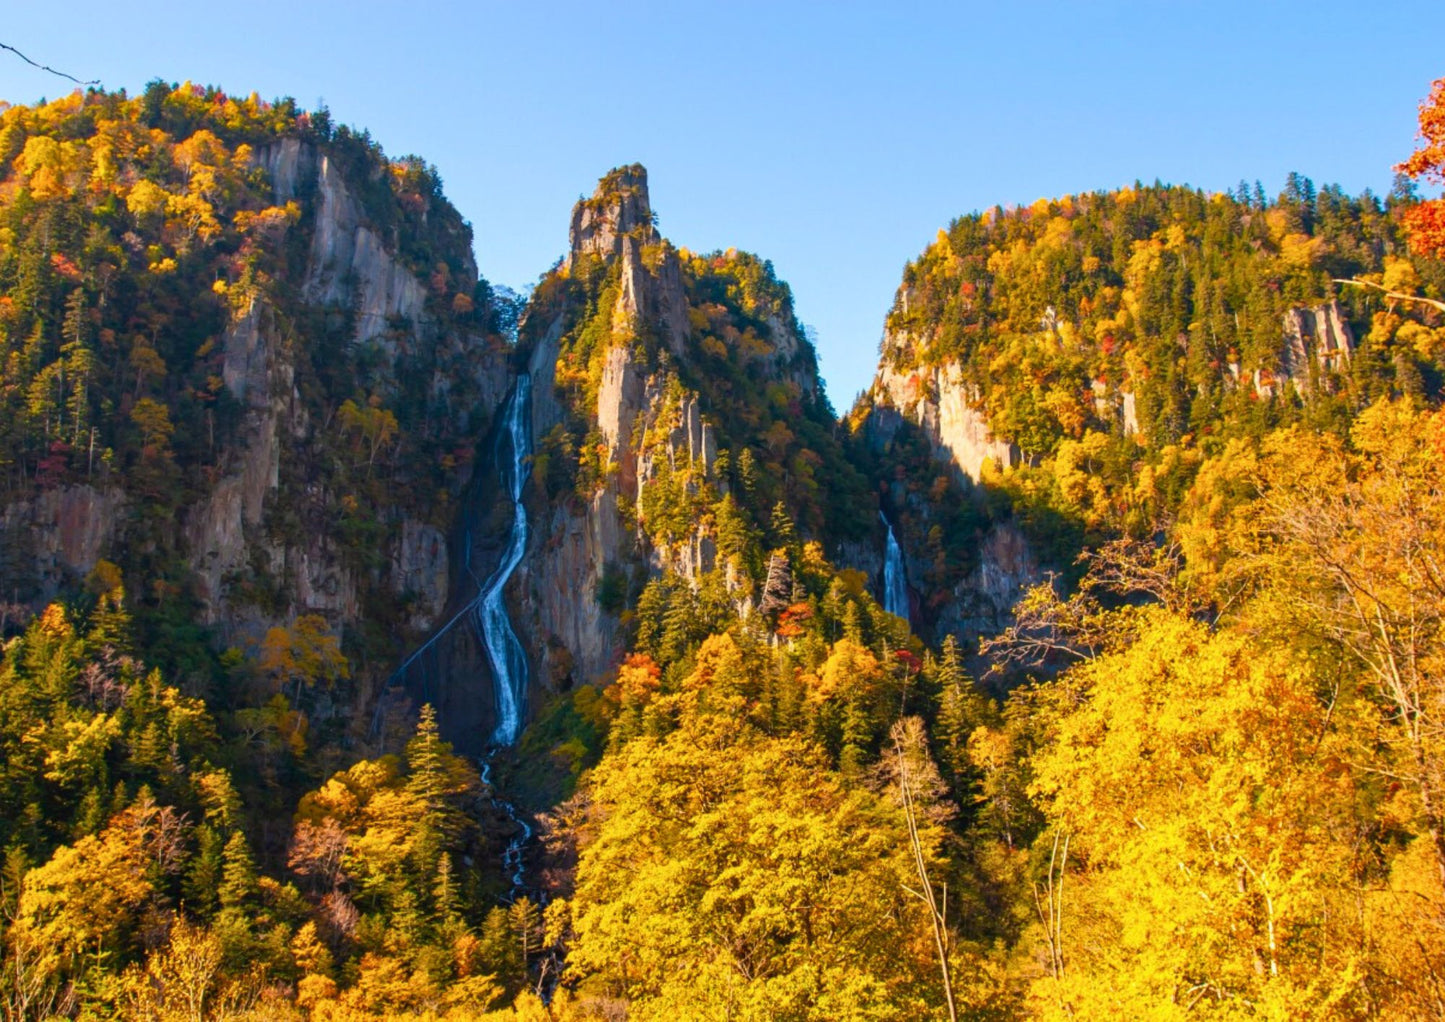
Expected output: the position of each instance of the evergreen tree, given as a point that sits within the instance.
(238, 873)
(204, 874)
(445, 897)
(961, 710)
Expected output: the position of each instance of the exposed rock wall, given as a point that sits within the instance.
(350, 264)
(938, 401)
(226, 536)
(946, 409)
(578, 542)
(55, 538)
(1315, 343)
(619, 207)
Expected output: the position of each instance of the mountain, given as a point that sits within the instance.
(1069, 364)
(248, 358)
(380, 644)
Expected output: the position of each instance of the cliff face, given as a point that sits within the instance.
(647, 359)
(934, 403)
(348, 267)
(263, 540)
(938, 401)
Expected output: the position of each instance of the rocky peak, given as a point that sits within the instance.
(619, 208)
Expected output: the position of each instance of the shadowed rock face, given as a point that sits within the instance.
(948, 412)
(55, 538)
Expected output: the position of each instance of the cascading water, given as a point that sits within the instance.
(895, 578)
(504, 650)
(487, 614)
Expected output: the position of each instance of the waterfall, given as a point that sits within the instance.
(895, 577)
(487, 611)
(487, 614)
(504, 650)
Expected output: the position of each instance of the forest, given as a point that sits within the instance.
(1199, 772)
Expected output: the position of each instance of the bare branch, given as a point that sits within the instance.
(1391, 294)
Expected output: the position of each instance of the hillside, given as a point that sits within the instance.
(1076, 361)
(378, 644)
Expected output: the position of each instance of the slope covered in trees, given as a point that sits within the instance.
(1105, 344)
(1204, 778)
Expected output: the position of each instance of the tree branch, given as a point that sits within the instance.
(1391, 294)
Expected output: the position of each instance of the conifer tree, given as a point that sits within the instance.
(203, 875)
(238, 873)
(785, 534)
(426, 756)
(961, 710)
(444, 892)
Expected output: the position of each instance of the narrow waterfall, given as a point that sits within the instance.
(504, 650)
(486, 613)
(895, 577)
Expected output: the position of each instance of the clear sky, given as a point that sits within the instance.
(833, 138)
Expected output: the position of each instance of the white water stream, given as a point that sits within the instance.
(504, 650)
(895, 578)
(487, 614)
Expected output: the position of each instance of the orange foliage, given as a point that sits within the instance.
(638, 680)
(1425, 223)
(790, 621)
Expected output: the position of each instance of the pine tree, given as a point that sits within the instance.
(651, 609)
(90, 814)
(852, 623)
(203, 873)
(445, 898)
(238, 872)
(525, 919)
(677, 624)
(310, 953)
(734, 535)
(500, 950)
(961, 711)
(785, 534)
(748, 476)
(857, 736)
(426, 756)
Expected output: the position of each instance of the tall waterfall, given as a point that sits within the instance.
(895, 578)
(504, 650)
(487, 611)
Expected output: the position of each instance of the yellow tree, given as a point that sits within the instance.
(304, 654)
(1349, 548)
(733, 876)
(372, 426)
(1205, 796)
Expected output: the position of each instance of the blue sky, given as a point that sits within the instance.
(833, 138)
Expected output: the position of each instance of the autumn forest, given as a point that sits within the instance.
(377, 642)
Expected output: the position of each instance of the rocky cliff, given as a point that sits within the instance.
(345, 376)
(915, 400)
(653, 369)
